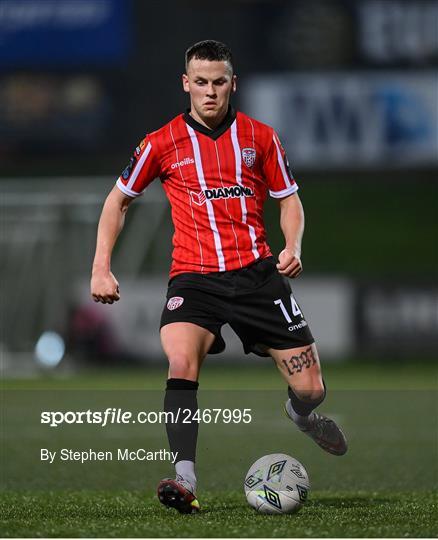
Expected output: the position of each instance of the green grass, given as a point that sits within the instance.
(136, 514)
(258, 374)
(383, 487)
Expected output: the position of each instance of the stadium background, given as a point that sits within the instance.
(351, 87)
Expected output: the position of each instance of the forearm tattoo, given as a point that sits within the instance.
(296, 364)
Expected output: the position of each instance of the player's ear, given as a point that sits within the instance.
(185, 83)
(234, 84)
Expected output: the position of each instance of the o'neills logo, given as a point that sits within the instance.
(231, 192)
(294, 327)
(185, 161)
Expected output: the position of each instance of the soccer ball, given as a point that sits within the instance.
(277, 484)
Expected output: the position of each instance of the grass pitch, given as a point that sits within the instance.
(137, 514)
(384, 486)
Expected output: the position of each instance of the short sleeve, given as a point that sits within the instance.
(277, 171)
(142, 169)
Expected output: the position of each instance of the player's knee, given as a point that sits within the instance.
(182, 366)
(313, 391)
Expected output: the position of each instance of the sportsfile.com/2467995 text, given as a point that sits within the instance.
(113, 415)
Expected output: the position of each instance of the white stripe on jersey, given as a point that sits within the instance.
(210, 211)
(138, 167)
(126, 191)
(238, 159)
(284, 192)
(190, 200)
(281, 163)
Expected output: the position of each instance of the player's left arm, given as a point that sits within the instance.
(292, 226)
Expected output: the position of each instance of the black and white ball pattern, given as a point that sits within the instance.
(277, 484)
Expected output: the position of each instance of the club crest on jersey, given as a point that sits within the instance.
(249, 156)
(229, 192)
(175, 302)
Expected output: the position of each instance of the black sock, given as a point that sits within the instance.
(304, 408)
(180, 395)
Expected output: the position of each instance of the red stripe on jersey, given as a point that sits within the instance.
(185, 239)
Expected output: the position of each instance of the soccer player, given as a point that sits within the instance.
(217, 166)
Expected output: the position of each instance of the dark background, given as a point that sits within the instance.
(74, 106)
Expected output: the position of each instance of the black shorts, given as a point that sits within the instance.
(256, 301)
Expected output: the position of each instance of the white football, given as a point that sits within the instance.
(277, 484)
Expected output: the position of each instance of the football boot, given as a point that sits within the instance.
(178, 494)
(324, 432)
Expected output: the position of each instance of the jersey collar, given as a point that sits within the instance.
(212, 133)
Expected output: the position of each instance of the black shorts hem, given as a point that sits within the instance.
(252, 347)
(218, 345)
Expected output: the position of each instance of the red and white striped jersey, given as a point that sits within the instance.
(216, 182)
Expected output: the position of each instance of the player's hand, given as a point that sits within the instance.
(289, 263)
(104, 288)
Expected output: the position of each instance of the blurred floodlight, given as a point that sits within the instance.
(49, 349)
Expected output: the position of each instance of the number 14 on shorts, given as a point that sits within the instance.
(295, 309)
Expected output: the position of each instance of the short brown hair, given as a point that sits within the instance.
(210, 49)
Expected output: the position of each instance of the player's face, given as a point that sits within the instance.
(210, 85)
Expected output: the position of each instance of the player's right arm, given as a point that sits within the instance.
(104, 286)
(142, 168)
